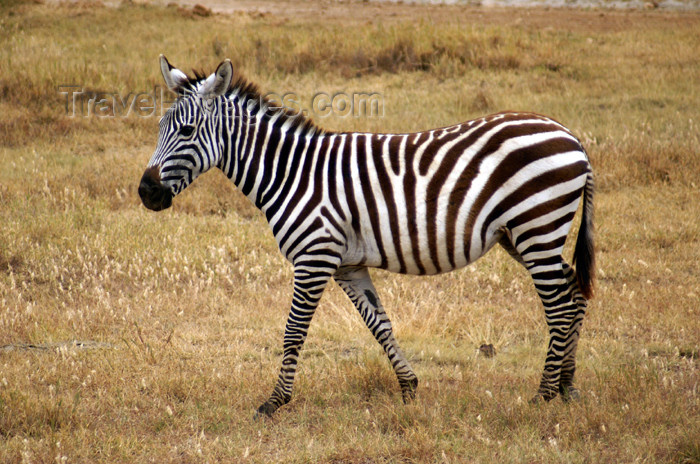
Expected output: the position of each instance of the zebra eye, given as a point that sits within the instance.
(186, 131)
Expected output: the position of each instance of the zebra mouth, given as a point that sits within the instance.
(154, 195)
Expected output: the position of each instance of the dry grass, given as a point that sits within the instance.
(190, 304)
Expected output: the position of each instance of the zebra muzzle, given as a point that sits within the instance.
(154, 195)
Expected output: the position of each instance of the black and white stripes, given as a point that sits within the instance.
(421, 203)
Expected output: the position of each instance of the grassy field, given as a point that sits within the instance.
(181, 313)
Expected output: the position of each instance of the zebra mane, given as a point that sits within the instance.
(244, 89)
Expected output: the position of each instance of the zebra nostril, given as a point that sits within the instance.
(148, 189)
(154, 195)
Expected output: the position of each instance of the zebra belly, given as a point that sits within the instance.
(418, 248)
(409, 261)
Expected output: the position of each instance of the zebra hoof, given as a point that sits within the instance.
(541, 398)
(408, 390)
(265, 411)
(570, 393)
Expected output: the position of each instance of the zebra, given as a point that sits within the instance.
(339, 203)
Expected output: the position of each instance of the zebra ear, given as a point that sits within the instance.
(218, 83)
(174, 78)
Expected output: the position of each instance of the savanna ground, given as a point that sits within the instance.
(181, 313)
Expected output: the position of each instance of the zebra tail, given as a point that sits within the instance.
(584, 252)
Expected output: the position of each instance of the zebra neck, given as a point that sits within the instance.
(266, 152)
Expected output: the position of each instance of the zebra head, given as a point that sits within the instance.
(187, 142)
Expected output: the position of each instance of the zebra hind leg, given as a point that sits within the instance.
(566, 388)
(555, 282)
(357, 284)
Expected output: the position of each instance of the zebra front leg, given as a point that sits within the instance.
(309, 285)
(357, 284)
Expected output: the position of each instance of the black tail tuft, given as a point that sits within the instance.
(584, 252)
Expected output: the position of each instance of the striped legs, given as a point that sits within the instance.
(310, 281)
(565, 307)
(566, 387)
(357, 284)
(555, 282)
